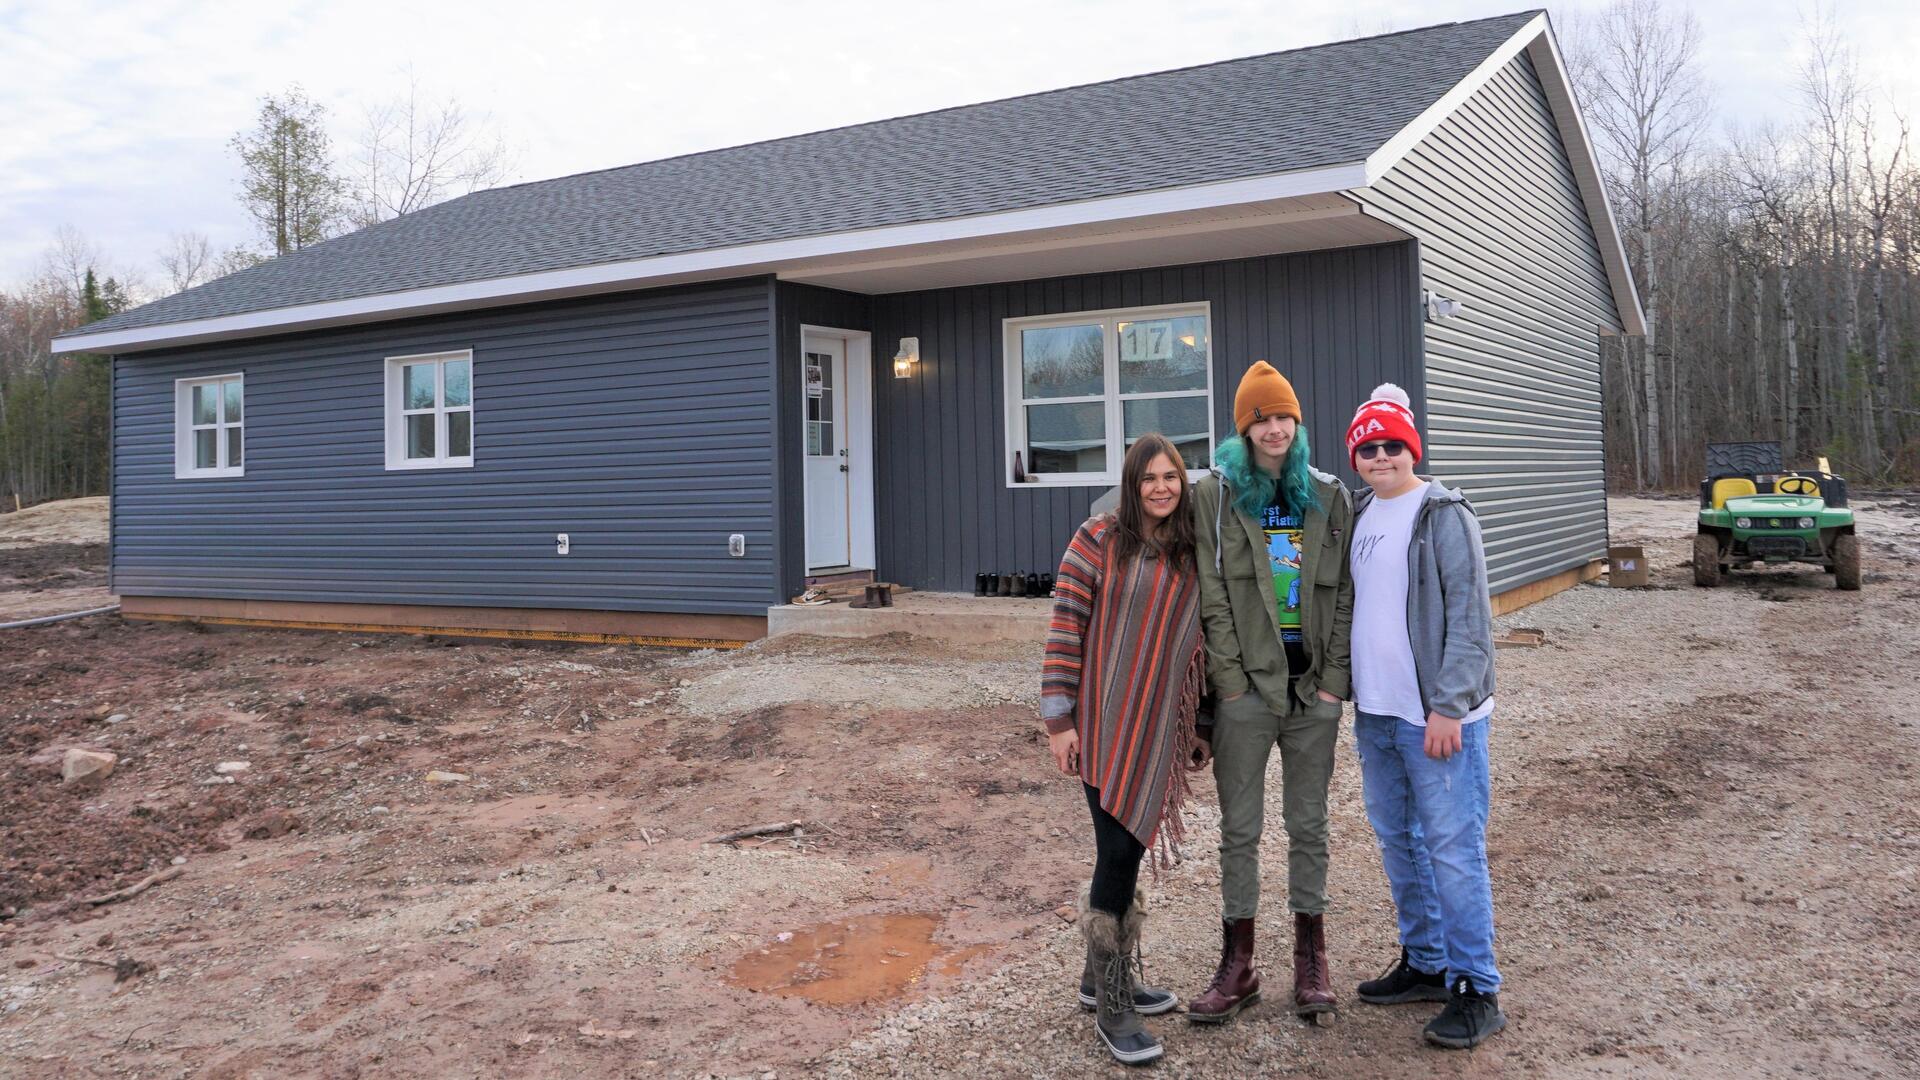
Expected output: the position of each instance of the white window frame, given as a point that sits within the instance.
(1109, 319)
(184, 427)
(396, 412)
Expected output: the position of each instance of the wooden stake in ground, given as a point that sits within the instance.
(756, 830)
(137, 887)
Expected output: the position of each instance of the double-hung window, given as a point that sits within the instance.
(1083, 388)
(209, 428)
(430, 411)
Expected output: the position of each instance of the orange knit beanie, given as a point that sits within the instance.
(1264, 392)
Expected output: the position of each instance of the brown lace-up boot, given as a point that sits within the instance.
(1312, 983)
(1235, 984)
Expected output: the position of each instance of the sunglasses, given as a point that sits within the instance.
(1392, 447)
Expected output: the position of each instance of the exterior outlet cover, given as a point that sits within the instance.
(565, 544)
(737, 545)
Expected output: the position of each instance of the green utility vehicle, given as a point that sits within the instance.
(1754, 510)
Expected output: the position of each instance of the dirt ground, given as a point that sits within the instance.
(1704, 843)
(53, 559)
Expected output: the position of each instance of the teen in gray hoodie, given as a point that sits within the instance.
(1422, 661)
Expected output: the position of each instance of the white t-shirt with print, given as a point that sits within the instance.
(1385, 681)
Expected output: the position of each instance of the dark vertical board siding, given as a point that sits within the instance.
(1331, 321)
(641, 425)
(796, 306)
(1512, 388)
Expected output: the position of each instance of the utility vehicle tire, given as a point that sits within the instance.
(1706, 560)
(1846, 562)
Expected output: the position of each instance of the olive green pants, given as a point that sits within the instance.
(1244, 736)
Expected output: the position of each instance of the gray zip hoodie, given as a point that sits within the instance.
(1449, 617)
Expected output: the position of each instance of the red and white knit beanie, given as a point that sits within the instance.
(1387, 414)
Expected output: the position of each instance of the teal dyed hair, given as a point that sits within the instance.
(1253, 489)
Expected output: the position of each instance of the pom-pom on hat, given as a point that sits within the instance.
(1387, 414)
(1264, 392)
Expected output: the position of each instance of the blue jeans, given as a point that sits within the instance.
(1431, 819)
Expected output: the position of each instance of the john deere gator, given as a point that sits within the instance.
(1754, 510)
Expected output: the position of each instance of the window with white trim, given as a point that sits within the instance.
(209, 427)
(430, 411)
(1082, 388)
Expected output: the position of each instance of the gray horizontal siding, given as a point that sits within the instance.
(641, 426)
(1514, 411)
(1335, 323)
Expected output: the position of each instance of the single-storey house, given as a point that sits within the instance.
(650, 402)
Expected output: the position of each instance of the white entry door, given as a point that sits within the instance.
(824, 382)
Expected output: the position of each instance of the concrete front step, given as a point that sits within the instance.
(957, 617)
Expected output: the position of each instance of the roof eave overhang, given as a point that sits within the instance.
(1537, 40)
(717, 264)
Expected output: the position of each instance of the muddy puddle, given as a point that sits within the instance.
(851, 961)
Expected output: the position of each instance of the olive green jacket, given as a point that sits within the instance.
(1237, 606)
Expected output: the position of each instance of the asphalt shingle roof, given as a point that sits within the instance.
(1326, 105)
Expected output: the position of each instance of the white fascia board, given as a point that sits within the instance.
(717, 263)
(1536, 37)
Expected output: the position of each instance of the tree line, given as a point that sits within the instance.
(1778, 264)
(407, 153)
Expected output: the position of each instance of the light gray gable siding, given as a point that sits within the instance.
(640, 425)
(1514, 414)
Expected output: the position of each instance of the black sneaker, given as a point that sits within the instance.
(1403, 983)
(1469, 1018)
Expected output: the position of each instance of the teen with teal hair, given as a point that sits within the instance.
(1276, 606)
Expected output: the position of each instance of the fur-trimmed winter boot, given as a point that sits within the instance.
(1147, 1000)
(1110, 943)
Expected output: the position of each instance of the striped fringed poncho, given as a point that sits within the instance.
(1125, 666)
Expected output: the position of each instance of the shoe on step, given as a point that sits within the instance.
(1469, 1019)
(1403, 983)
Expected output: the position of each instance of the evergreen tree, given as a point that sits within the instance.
(288, 183)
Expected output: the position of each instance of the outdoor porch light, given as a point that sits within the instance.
(906, 358)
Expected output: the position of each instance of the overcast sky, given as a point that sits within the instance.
(115, 117)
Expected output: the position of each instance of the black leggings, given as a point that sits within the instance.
(1116, 861)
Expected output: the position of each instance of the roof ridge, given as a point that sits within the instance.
(1003, 100)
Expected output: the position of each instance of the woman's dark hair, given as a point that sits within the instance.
(1131, 526)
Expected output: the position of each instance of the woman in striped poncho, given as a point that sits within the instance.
(1119, 691)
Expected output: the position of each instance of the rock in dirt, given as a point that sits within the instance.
(270, 824)
(78, 765)
(438, 777)
(232, 767)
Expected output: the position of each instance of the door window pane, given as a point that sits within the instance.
(416, 391)
(1158, 355)
(459, 383)
(206, 447)
(1067, 438)
(233, 448)
(233, 401)
(420, 436)
(460, 434)
(1183, 420)
(206, 403)
(1062, 361)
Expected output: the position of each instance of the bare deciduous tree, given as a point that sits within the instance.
(415, 151)
(1637, 72)
(187, 260)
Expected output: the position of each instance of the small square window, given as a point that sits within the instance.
(430, 411)
(209, 435)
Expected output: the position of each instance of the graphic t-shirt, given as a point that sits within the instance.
(1385, 680)
(1284, 531)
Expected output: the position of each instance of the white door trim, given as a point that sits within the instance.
(859, 423)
